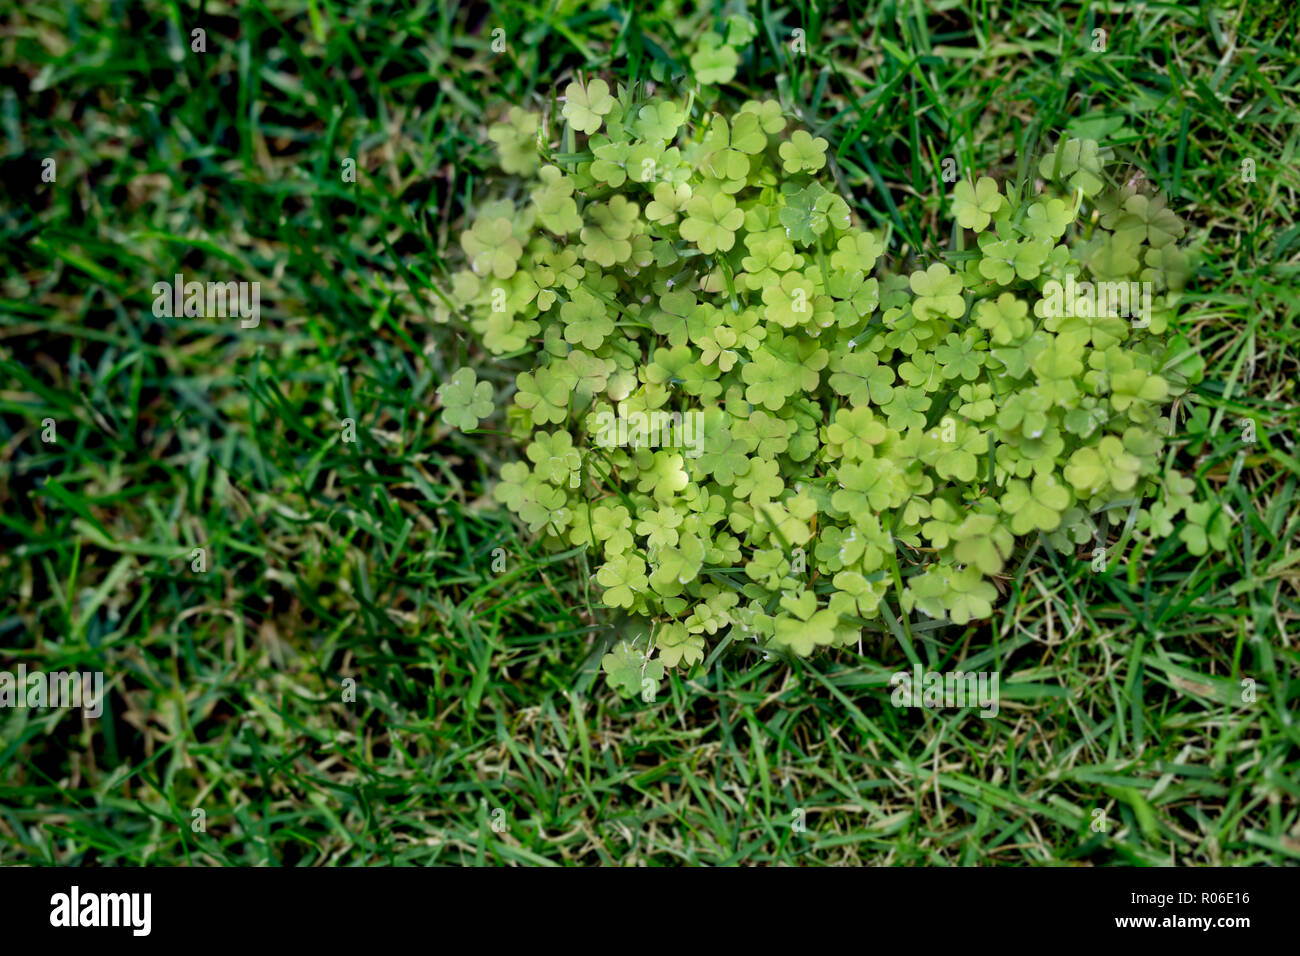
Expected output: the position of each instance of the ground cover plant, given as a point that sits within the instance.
(945, 427)
(325, 642)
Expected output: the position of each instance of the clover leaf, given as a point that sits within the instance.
(516, 139)
(465, 400)
(492, 247)
(659, 121)
(1148, 219)
(803, 153)
(668, 201)
(586, 320)
(1091, 469)
(545, 394)
(677, 645)
(605, 236)
(1207, 527)
(622, 576)
(712, 223)
(585, 107)
(770, 115)
(938, 293)
(1036, 506)
(974, 206)
(1078, 163)
(713, 61)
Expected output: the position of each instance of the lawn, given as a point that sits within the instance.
(309, 657)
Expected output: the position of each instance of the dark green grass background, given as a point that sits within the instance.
(371, 561)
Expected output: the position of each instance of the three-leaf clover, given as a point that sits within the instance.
(586, 320)
(938, 292)
(627, 667)
(492, 247)
(712, 223)
(803, 153)
(464, 403)
(974, 206)
(1036, 506)
(545, 394)
(516, 139)
(669, 199)
(1079, 163)
(714, 61)
(659, 121)
(585, 108)
(605, 236)
(623, 577)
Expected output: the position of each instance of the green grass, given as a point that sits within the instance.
(372, 560)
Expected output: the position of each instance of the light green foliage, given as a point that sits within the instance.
(802, 153)
(973, 206)
(491, 247)
(465, 401)
(628, 667)
(1079, 164)
(584, 107)
(714, 61)
(864, 441)
(716, 54)
(712, 223)
(516, 139)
